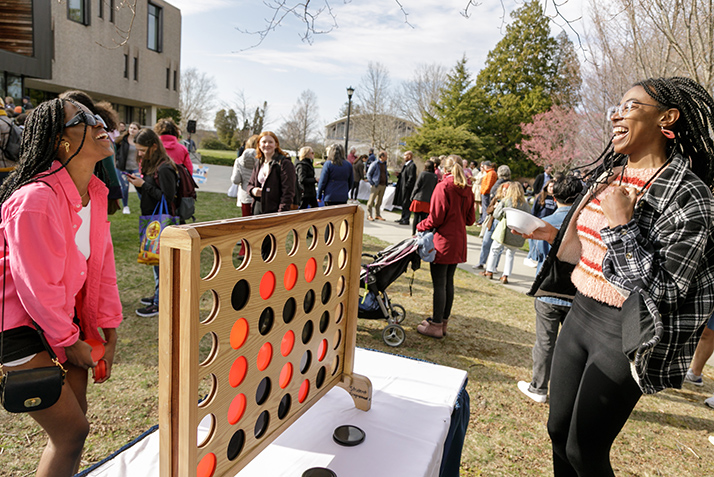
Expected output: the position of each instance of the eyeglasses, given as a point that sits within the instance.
(623, 110)
(83, 117)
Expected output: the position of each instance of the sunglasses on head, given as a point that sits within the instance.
(90, 119)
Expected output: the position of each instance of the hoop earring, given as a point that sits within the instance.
(66, 146)
(667, 133)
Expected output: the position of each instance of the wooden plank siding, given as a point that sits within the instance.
(16, 27)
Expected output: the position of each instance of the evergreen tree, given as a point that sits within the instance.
(515, 85)
(436, 139)
(453, 107)
(226, 123)
(567, 81)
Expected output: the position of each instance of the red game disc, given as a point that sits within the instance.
(100, 370)
(97, 349)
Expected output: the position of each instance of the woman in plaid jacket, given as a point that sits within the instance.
(637, 254)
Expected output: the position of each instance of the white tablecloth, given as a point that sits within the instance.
(412, 402)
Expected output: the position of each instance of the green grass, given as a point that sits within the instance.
(220, 158)
(491, 333)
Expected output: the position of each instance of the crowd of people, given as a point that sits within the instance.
(624, 290)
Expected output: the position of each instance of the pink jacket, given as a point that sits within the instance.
(176, 151)
(46, 270)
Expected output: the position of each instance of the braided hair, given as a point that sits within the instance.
(692, 130)
(39, 147)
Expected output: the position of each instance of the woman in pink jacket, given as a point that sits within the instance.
(450, 211)
(58, 268)
(169, 133)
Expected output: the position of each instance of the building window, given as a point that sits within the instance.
(100, 14)
(78, 11)
(136, 68)
(155, 28)
(168, 78)
(112, 9)
(126, 66)
(175, 79)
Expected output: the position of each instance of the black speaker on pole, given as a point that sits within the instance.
(191, 126)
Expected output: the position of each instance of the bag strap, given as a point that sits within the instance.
(40, 331)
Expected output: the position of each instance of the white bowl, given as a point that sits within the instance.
(522, 222)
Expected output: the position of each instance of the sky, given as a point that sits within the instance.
(283, 65)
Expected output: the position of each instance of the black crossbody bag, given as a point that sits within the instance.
(28, 390)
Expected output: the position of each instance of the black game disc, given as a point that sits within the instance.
(318, 472)
(348, 435)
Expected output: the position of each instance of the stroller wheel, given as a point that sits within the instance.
(393, 335)
(397, 314)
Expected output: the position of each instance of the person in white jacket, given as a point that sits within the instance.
(242, 169)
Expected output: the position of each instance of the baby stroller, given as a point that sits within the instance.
(375, 277)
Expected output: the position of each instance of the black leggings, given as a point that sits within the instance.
(418, 217)
(442, 277)
(592, 392)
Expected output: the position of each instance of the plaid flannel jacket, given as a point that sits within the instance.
(666, 253)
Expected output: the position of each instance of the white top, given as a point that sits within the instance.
(82, 237)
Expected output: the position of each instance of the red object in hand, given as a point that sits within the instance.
(100, 370)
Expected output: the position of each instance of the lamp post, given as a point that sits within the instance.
(350, 92)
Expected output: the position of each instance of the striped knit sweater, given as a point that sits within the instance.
(587, 276)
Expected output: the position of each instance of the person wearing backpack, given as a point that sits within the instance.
(159, 178)
(10, 137)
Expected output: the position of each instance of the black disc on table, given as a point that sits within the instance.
(319, 472)
(348, 435)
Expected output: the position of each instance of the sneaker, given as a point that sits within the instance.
(147, 300)
(148, 311)
(529, 262)
(126, 210)
(709, 402)
(525, 388)
(692, 378)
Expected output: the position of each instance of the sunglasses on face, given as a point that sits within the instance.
(82, 117)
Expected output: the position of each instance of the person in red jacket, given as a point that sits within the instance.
(451, 210)
(169, 133)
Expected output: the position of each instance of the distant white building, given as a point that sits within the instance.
(390, 132)
(47, 47)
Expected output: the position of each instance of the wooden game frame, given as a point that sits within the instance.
(335, 249)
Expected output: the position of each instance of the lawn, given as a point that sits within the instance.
(490, 336)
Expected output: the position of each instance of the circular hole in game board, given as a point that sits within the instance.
(289, 310)
(265, 355)
(240, 294)
(209, 262)
(324, 321)
(205, 429)
(207, 348)
(267, 249)
(284, 406)
(235, 446)
(265, 323)
(239, 369)
(236, 409)
(335, 366)
(342, 259)
(206, 390)
(309, 301)
(326, 293)
(322, 350)
(290, 277)
(329, 233)
(320, 378)
(311, 237)
(327, 264)
(337, 338)
(344, 230)
(307, 331)
(207, 306)
(267, 285)
(207, 465)
(241, 254)
(305, 362)
(340, 285)
(287, 343)
(263, 391)
(310, 269)
(304, 391)
(339, 312)
(239, 333)
(291, 242)
(286, 374)
(261, 424)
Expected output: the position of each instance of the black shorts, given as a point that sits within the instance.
(19, 343)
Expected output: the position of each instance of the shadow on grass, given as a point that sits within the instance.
(673, 420)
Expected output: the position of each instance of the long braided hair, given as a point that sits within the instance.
(39, 147)
(692, 130)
